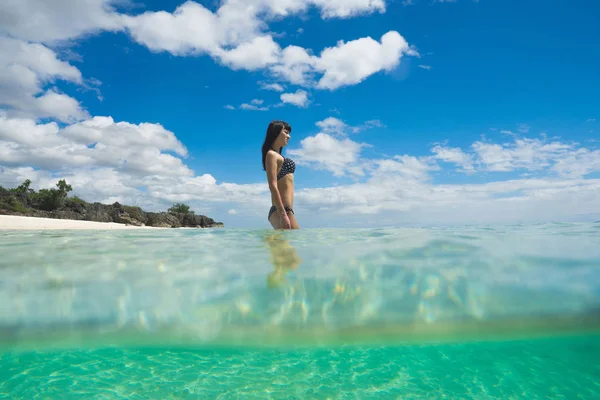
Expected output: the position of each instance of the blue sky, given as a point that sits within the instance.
(469, 112)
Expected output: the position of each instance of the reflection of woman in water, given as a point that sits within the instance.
(280, 176)
(283, 257)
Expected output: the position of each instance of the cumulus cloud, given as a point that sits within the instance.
(332, 125)
(299, 98)
(235, 32)
(352, 62)
(416, 202)
(528, 154)
(236, 35)
(108, 161)
(578, 163)
(454, 155)
(332, 150)
(252, 55)
(326, 152)
(99, 142)
(347, 63)
(348, 8)
(44, 21)
(524, 154)
(143, 164)
(403, 186)
(25, 71)
(405, 167)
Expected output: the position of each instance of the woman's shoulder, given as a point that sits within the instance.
(273, 155)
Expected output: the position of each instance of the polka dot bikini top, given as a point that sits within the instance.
(288, 167)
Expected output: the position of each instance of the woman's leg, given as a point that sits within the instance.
(293, 220)
(275, 220)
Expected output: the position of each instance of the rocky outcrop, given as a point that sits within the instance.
(97, 212)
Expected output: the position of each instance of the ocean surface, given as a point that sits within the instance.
(485, 312)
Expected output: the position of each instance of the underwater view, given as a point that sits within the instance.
(509, 312)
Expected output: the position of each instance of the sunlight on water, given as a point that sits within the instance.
(478, 312)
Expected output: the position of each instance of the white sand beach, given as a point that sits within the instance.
(33, 223)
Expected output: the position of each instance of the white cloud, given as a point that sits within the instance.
(299, 98)
(529, 154)
(25, 70)
(349, 8)
(332, 150)
(111, 161)
(372, 123)
(258, 53)
(276, 87)
(402, 186)
(347, 63)
(324, 151)
(253, 107)
(352, 62)
(295, 66)
(405, 201)
(426, 67)
(332, 125)
(99, 142)
(27, 132)
(407, 168)
(108, 161)
(578, 163)
(50, 21)
(524, 154)
(123, 134)
(454, 155)
(190, 29)
(236, 35)
(336, 126)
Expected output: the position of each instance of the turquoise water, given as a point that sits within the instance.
(474, 312)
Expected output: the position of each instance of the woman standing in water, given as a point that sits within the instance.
(280, 176)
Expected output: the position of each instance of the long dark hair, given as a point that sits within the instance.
(274, 129)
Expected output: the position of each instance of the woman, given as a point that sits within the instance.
(280, 176)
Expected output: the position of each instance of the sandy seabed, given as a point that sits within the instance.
(35, 223)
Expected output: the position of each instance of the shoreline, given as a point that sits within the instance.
(17, 222)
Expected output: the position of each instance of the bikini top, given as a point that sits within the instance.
(288, 167)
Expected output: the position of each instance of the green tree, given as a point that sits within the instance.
(63, 187)
(52, 199)
(23, 192)
(181, 208)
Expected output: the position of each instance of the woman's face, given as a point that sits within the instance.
(284, 137)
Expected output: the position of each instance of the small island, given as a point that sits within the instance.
(56, 203)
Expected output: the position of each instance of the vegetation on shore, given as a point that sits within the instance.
(56, 203)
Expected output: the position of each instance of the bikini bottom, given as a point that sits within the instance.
(274, 208)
